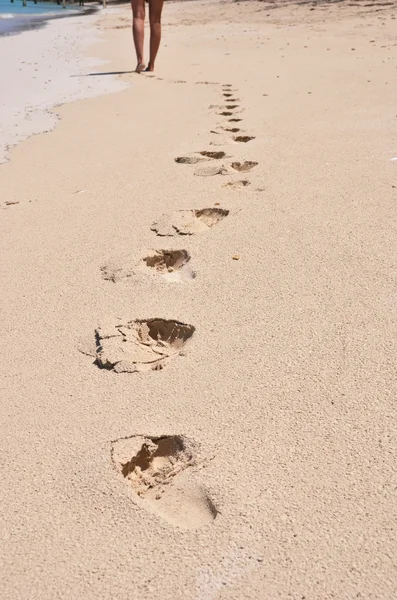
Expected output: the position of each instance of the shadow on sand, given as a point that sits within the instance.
(104, 73)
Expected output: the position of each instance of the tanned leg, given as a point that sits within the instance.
(138, 31)
(155, 8)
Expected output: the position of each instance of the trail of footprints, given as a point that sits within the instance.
(160, 470)
(229, 134)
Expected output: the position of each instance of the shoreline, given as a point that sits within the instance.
(20, 23)
(52, 78)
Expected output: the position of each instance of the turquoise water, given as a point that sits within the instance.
(10, 9)
(15, 18)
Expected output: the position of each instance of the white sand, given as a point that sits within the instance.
(283, 402)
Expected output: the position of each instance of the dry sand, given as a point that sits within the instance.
(260, 461)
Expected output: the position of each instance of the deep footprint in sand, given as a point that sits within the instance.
(160, 472)
(243, 138)
(171, 265)
(188, 222)
(235, 120)
(245, 166)
(139, 346)
(237, 185)
(210, 171)
(225, 113)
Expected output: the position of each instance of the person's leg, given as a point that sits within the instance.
(155, 8)
(138, 30)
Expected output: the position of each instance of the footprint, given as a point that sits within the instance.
(245, 166)
(141, 345)
(214, 155)
(116, 272)
(243, 138)
(188, 160)
(235, 120)
(227, 95)
(237, 184)
(171, 265)
(226, 113)
(232, 129)
(188, 222)
(231, 106)
(210, 171)
(159, 471)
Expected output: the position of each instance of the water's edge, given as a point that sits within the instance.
(39, 81)
(18, 23)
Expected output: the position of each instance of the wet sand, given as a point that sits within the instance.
(44, 66)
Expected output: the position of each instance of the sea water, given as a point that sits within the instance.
(14, 17)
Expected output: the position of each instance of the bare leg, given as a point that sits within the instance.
(155, 8)
(138, 30)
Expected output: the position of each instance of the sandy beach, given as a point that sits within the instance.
(198, 312)
(37, 80)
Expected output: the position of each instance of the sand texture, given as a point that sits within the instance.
(198, 316)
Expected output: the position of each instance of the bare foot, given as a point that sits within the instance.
(149, 68)
(140, 67)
